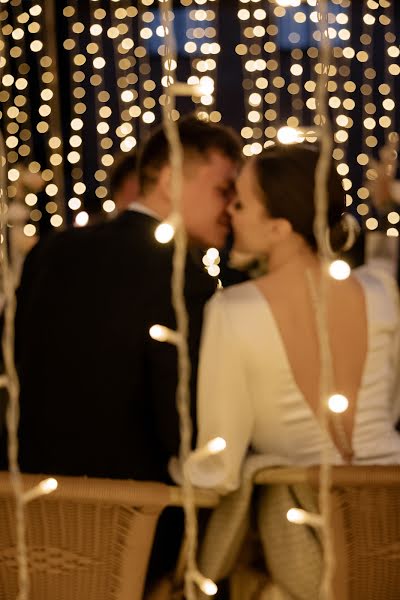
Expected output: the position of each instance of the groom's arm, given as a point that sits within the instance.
(161, 357)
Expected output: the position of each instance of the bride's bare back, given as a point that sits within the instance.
(288, 294)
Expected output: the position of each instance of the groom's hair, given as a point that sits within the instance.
(198, 138)
(286, 179)
(125, 166)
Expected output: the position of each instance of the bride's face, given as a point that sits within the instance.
(252, 227)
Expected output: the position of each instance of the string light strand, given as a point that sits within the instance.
(192, 575)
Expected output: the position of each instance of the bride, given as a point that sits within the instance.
(259, 369)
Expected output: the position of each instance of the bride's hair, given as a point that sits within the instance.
(285, 176)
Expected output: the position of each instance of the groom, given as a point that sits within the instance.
(97, 393)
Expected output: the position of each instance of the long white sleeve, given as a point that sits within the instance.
(224, 405)
(396, 355)
(382, 255)
(382, 252)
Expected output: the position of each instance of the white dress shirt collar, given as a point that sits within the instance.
(141, 208)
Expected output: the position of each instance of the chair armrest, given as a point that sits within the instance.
(202, 498)
(355, 476)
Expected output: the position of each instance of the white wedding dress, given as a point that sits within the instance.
(247, 393)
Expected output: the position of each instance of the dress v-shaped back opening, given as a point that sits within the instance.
(342, 451)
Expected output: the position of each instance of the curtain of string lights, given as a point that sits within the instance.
(114, 95)
(67, 122)
(279, 50)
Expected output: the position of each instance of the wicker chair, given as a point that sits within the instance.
(88, 540)
(365, 526)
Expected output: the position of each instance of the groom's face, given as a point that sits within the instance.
(208, 188)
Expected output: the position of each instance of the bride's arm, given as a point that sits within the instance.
(224, 406)
(382, 252)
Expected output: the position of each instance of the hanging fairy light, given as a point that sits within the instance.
(296, 80)
(23, 174)
(288, 3)
(103, 103)
(122, 32)
(302, 517)
(387, 90)
(79, 107)
(46, 486)
(211, 261)
(165, 231)
(81, 218)
(291, 26)
(277, 82)
(146, 86)
(10, 382)
(319, 294)
(369, 123)
(338, 403)
(206, 585)
(392, 69)
(339, 270)
(341, 88)
(256, 66)
(50, 125)
(16, 110)
(214, 446)
(296, 16)
(160, 333)
(169, 64)
(289, 135)
(203, 46)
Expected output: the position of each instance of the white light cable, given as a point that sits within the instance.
(320, 228)
(12, 383)
(192, 575)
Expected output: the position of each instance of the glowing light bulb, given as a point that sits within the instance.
(206, 86)
(74, 203)
(212, 254)
(206, 585)
(164, 233)
(295, 515)
(44, 487)
(302, 517)
(166, 230)
(338, 403)
(287, 3)
(211, 260)
(185, 89)
(209, 587)
(29, 230)
(160, 333)
(339, 269)
(82, 219)
(289, 135)
(214, 270)
(216, 445)
(48, 485)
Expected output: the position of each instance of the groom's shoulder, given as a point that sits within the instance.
(128, 232)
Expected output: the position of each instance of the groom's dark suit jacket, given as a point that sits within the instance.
(97, 393)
